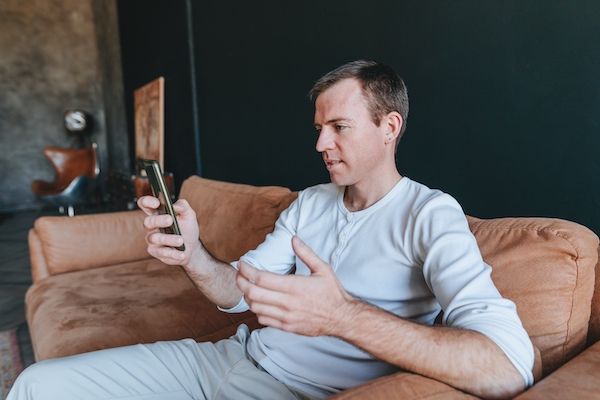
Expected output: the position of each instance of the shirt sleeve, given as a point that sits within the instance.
(275, 254)
(461, 282)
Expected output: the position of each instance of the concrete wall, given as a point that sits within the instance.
(50, 61)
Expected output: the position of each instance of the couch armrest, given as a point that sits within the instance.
(577, 379)
(408, 386)
(403, 385)
(63, 244)
(39, 269)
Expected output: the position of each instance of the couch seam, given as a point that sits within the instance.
(570, 323)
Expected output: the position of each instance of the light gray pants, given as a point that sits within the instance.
(161, 371)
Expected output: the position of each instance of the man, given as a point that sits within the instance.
(377, 257)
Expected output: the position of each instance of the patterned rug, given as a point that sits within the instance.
(10, 361)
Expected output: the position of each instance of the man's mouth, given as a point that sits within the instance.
(330, 164)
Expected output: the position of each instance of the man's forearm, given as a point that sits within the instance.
(214, 278)
(464, 359)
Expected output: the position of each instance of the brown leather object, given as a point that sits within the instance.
(577, 379)
(137, 302)
(234, 218)
(546, 266)
(404, 386)
(68, 164)
(88, 241)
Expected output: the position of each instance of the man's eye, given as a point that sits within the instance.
(340, 127)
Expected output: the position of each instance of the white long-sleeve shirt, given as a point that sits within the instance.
(411, 253)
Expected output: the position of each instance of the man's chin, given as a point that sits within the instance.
(339, 181)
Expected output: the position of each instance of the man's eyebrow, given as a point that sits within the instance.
(334, 121)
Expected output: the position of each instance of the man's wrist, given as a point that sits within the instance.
(349, 315)
(197, 260)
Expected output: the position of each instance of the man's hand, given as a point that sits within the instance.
(308, 305)
(162, 245)
(214, 278)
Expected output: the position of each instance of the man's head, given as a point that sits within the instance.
(382, 87)
(357, 137)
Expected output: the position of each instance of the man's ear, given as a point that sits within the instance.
(393, 123)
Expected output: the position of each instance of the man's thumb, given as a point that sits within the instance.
(308, 256)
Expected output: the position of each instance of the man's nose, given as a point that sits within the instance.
(325, 141)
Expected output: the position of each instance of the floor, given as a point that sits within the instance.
(15, 273)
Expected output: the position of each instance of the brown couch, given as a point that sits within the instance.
(96, 287)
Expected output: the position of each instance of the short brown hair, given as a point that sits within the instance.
(382, 87)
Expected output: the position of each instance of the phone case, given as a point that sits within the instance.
(160, 191)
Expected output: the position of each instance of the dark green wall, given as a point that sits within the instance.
(504, 94)
(154, 38)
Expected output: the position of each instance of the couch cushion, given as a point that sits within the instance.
(234, 218)
(90, 241)
(577, 379)
(546, 266)
(139, 302)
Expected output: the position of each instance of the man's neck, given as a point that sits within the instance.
(363, 195)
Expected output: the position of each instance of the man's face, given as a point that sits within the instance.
(353, 147)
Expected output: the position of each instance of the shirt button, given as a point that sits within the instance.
(342, 236)
(334, 257)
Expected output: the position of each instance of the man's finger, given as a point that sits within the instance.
(264, 279)
(263, 286)
(182, 207)
(165, 239)
(167, 255)
(153, 222)
(268, 281)
(308, 256)
(242, 282)
(148, 204)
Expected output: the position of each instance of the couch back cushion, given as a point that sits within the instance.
(234, 218)
(546, 266)
(90, 241)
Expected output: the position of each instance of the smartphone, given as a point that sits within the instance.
(160, 191)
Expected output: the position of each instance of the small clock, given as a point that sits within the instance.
(76, 120)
